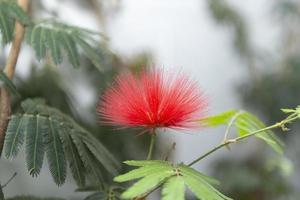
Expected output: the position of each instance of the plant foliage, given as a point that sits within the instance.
(47, 131)
(32, 198)
(9, 84)
(245, 123)
(173, 179)
(9, 12)
(55, 38)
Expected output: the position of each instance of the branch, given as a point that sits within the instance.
(9, 70)
(151, 146)
(9, 180)
(281, 124)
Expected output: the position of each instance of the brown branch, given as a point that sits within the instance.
(97, 9)
(170, 151)
(9, 70)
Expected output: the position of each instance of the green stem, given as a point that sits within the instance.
(151, 146)
(233, 119)
(235, 140)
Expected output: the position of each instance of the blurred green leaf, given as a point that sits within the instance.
(285, 110)
(220, 119)
(32, 198)
(9, 84)
(58, 38)
(9, 12)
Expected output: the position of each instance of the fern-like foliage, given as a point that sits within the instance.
(9, 12)
(245, 123)
(32, 198)
(58, 39)
(47, 131)
(172, 179)
(55, 38)
(9, 84)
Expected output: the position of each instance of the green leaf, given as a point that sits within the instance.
(9, 12)
(202, 189)
(88, 159)
(9, 84)
(220, 119)
(30, 105)
(54, 44)
(6, 25)
(87, 140)
(286, 110)
(32, 198)
(146, 184)
(55, 153)
(100, 153)
(59, 38)
(140, 163)
(14, 137)
(89, 51)
(173, 189)
(38, 41)
(153, 174)
(64, 141)
(71, 49)
(273, 141)
(245, 123)
(194, 173)
(75, 163)
(16, 12)
(200, 184)
(142, 171)
(36, 128)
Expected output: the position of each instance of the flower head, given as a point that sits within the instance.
(152, 99)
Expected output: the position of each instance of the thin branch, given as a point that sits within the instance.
(235, 140)
(97, 9)
(151, 146)
(16, 44)
(170, 151)
(9, 180)
(9, 70)
(233, 119)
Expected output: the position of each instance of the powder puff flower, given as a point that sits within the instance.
(152, 99)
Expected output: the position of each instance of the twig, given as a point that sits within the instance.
(151, 146)
(9, 180)
(170, 151)
(233, 119)
(235, 140)
(9, 70)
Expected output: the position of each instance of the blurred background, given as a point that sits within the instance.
(244, 55)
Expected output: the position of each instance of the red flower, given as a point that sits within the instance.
(152, 99)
